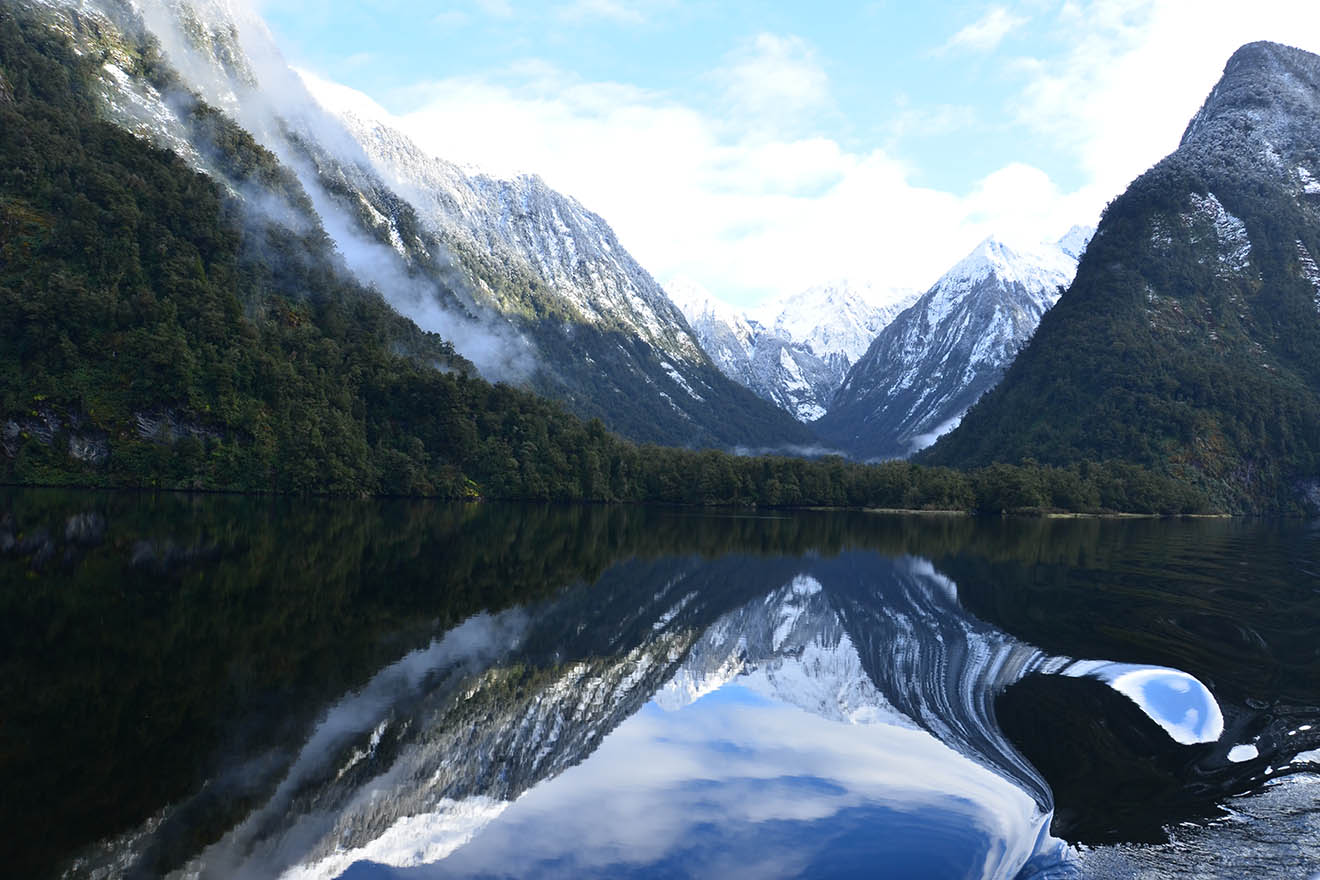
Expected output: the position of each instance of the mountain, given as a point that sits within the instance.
(1189, 341)
(932, 362)
(610, 342)
(836, 321)
(528, 285)
(178, 314)
(794, 351)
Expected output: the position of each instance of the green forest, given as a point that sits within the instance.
(1159, 357)
(156, 337)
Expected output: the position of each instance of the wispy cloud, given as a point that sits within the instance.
(611, 10)
(450, 18)
(618, 11)
(358, 59)
(774, 79)
(495, 8)
(986, 33)
(929, 121)
(1135, 71)
(749, 208)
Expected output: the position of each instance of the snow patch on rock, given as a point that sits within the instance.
(1234, 246)
(1310, 271)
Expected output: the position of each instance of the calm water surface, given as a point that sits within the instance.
(226, 687)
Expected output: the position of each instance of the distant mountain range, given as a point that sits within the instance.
(932, 362)
(882, 373)
(794, 351)
(1190, 340)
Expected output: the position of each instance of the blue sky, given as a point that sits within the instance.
(891, 83)
(756, 148)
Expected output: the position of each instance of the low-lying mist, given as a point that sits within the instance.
(224, 53)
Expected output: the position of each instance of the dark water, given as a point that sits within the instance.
(226, 687)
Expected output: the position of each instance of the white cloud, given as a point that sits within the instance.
(774, 80)
(745, 186)
(748, 211)
(1135, 71)
(987, 32)
(627, 12)
(496, 8)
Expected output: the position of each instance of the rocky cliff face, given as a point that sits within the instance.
(926, 368)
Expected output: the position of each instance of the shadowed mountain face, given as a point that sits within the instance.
(936, 359)
(1190, 339)
(316, 686)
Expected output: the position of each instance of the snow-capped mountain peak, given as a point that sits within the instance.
(1034, 266)
(934, 361)
(1075, 240)
(840, 317)
(795, 350)
(790, 647)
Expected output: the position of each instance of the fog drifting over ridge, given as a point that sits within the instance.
(264, 95)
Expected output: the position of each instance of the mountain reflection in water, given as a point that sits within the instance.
(808, 696)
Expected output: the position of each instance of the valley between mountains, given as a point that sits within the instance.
(220, 273)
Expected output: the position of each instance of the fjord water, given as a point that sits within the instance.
(238, 687)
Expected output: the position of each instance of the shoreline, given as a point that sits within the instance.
(1028, 513)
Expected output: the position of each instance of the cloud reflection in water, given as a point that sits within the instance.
(738, 785)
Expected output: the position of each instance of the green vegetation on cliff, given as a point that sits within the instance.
(1189, 342)
(158, 334)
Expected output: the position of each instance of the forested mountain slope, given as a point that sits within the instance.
(529, 286)
(607, 340)
(1189, 341)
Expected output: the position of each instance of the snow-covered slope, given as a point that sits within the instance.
(836, 321)
(559, 272)
(795, 351)
(935, 360)
(724, 332)
(520, 221)
(529, 285)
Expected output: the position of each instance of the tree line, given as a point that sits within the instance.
(157, 335)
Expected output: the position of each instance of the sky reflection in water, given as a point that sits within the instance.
(1179, 703)
(684, 696)
(739, 785)
(773, 747)
(777, 749)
